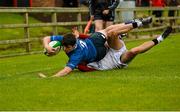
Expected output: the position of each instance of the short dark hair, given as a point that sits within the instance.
(69, 39)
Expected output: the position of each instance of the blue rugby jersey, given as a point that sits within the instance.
(84, 51)
(56, 38)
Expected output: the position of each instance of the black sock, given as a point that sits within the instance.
(134, 24)
(155, 41)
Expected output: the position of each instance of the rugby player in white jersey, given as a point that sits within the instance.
(119, 57)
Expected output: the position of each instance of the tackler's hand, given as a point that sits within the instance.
(75, 32)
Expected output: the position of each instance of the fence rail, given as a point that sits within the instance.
(79, 11)
(75, 10)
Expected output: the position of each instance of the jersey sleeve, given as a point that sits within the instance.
(85, 68)
(114, 5)
(74, 60)
(91, 7)
(56, 38)
(83, 36)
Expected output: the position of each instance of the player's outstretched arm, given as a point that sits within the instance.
(63, 72)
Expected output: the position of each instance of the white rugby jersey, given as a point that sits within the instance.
(111, 60)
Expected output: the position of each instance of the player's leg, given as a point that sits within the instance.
(114, 43)
(109, 19)
(113, 39)
(98, 25)
(127, 26)
(129, 55)
(108, 23)
(113, 31)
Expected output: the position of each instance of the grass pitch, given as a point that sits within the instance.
(151, 82)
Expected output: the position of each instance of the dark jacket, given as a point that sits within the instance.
(100, 5)
(173, 3)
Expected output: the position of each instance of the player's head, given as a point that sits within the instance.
(69, 42)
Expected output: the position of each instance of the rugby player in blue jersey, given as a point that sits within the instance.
(92, 49)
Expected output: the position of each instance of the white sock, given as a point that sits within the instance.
(160, 39)
(139, 23)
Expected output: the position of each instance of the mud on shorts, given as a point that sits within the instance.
(98, 39)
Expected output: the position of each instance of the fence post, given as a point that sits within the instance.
(26, 32)
(79, 20)
(119, 18)
(135, 16)
(175, 20)
(151, 25)
(54, 20)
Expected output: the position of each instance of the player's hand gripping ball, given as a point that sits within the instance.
(56, 45)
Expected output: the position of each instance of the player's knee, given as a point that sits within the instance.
(111, 34)
(128, 56)
(131, 54)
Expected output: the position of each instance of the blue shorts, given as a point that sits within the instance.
(98, 39)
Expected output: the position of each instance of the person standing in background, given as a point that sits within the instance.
(171, 13)
(70, 3)
(143, 3)
(102, 12)
(157, 3)
(83, 2)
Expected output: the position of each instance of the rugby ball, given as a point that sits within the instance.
(53, 44)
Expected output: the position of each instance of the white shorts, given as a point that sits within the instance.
(111, 60)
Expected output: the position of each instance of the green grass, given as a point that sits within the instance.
(8, 34)
(12, 34)
(151, 82)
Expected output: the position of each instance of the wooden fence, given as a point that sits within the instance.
(79, 11)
